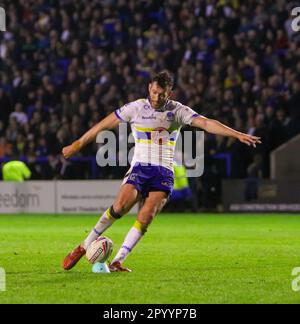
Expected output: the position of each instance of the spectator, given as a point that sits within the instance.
(19, 115)
(15, 171)
(64, 68)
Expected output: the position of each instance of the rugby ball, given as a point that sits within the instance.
(99, 250)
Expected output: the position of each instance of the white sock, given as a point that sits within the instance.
(131, 240)
(105, 221)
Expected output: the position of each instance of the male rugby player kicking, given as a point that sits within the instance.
(155, 124)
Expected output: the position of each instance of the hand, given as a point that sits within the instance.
(71, 150)
(249, 139)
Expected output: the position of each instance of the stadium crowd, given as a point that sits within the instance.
(66, 64)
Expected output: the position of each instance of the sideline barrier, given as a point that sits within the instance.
(54, 197)
(256, 195)
(27, 197)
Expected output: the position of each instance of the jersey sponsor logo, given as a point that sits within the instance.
(149, 117)
(146, 107)
(170, 116)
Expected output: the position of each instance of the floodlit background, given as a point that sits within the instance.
(65, 65)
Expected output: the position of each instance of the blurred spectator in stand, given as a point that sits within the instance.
(65, 68)
(15, 171)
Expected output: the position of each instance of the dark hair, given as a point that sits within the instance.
(163, 79)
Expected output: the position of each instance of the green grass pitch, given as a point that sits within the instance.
(183, 258)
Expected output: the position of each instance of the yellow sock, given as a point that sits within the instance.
(140, 227)
(109, 214)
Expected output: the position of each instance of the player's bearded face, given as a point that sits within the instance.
(158, 95)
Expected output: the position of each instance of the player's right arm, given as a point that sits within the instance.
(109, 122)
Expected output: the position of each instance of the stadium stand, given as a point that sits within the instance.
(64, 65)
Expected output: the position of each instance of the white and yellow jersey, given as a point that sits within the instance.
(155, 130)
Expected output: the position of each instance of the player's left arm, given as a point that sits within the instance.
(215, 127)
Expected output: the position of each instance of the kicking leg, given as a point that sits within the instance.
(127, 198)
(152, 206)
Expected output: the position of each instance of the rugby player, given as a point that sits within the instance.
(155, 123)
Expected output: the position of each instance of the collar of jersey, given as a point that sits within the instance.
(164, 108)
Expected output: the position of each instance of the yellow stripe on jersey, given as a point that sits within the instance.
(142, 141)
(145, 129)
(171, 143)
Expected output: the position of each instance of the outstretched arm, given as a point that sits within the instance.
(109, 122)
(214, 127)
